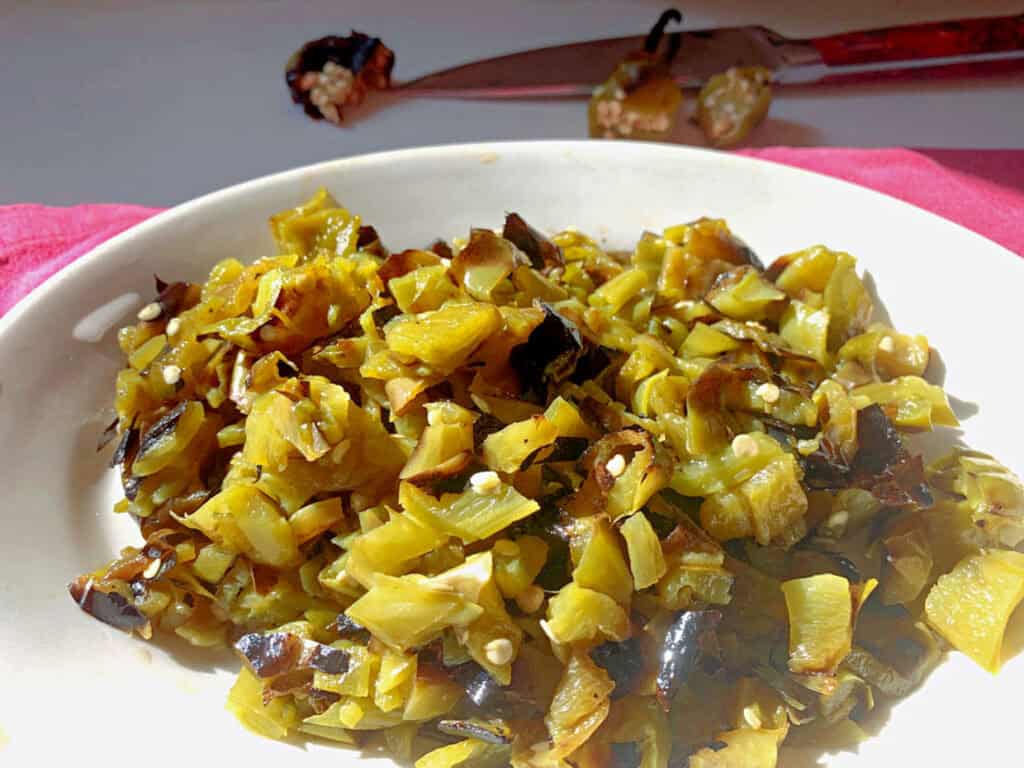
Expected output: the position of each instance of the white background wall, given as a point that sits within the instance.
(155, 102)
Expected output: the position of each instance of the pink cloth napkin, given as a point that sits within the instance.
(982, 190)
(37, 240)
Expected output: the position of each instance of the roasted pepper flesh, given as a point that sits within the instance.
(566, 505)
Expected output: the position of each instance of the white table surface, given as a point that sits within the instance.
(156, 101)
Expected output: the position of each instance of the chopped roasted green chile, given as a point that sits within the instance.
(546, 502)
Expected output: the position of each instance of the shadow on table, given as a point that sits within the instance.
(206, 661)
(772, 132)
(821, 754)
(786, 133)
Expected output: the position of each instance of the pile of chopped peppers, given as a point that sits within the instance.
(522, 500)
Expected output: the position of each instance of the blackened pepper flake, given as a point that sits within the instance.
(333, 72)
(564, 449)
(485, 425)
(126, 448)
(688, 639)
(349, 628)
(277, 653)
(879, 443)
(591, 364)
(882, 465)
(163, 427)
(542, 252)
(286, 369)
(331, 661)
(110, 607)
(623, 662)
(844, 566)
(550, 353)
(825, 468)
(370, 242)
(902, 483)
(489, 696)
(480, 687)
(490, 731)
(171, 296)
(367, 237)
(271, 654)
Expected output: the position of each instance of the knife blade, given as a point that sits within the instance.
(950, 48)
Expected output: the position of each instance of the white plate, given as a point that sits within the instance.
(77, 691)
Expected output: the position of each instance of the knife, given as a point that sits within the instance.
(943, 49)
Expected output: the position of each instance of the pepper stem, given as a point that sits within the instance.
(658, 30)
(674, 41)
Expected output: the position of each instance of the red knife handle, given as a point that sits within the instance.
(923, 41)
